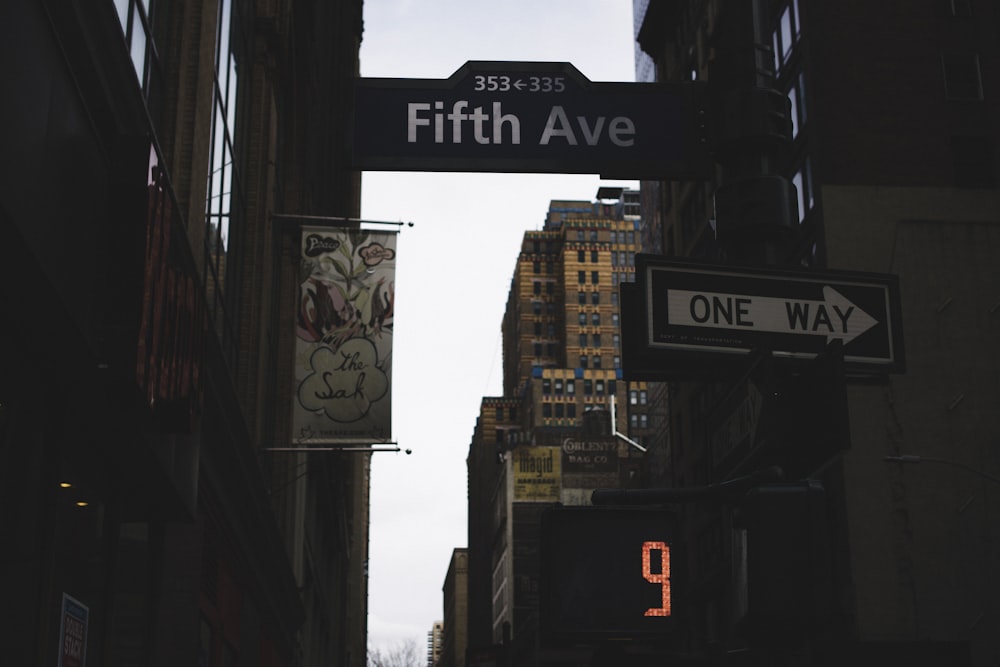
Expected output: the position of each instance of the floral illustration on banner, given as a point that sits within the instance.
(337, 301)
(345, 311)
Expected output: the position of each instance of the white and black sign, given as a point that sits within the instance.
(718, 310)
(529, 117)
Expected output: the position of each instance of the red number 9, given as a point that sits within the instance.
(662, 577)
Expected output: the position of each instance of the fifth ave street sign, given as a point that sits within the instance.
(530, 117)
(731, 311)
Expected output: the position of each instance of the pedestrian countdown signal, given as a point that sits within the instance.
(606, 573)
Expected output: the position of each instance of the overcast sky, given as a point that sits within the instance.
(454, 268)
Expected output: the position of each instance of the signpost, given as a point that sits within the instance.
(531, 117)
(723, 311)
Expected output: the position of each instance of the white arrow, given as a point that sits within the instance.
(833, 317)
(519, 84)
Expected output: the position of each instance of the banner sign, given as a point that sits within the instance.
(537, 474)
(531, 117)
(343, 346)
(73, 632)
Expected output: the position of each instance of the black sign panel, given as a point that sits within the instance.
(530, 117)
(726, 311)
(606, 573)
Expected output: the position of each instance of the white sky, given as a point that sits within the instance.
(453, 275)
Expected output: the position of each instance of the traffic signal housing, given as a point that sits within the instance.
(606, 573)
(788, 558)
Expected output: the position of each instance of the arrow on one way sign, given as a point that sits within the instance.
(834, 317)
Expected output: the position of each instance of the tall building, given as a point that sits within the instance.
(549, 439)
(147, 292)
(454, 635)
(894, 129)
(434, 637)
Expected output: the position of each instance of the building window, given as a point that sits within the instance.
(802, 180)
(559, 386)
(571, 387)
(582, 298)
(498, 436)
(594, 256)
(962, 78)
(614, 298)
(546, 386)
(546, 410)
(597, 361)
(595, 319)
(614, 320)
(499, 413)
(583, 340)
(617, 361)
(581, 277)
(616, 340)
(571, 411)
(536, 307)
(643, 396)
(786, 34)
(581, 256)
(595, 298)
(224, 197)
(596, 338)
(583, 361)
(538, 350)
(583, 318)
(135, 24)
(595, 277)
(560, 410)
(536, 288)
(588, 387)
(599, 387)
(633, 397)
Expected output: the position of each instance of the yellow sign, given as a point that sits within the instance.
(537, 473)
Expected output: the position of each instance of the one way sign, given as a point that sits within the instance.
(718, 310)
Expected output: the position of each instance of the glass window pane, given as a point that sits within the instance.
(138, 48)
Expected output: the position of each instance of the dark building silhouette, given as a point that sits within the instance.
(145, 335)
(893, 142)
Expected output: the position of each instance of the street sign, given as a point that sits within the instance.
(606, 573)
(531, 117)
(725, 311)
